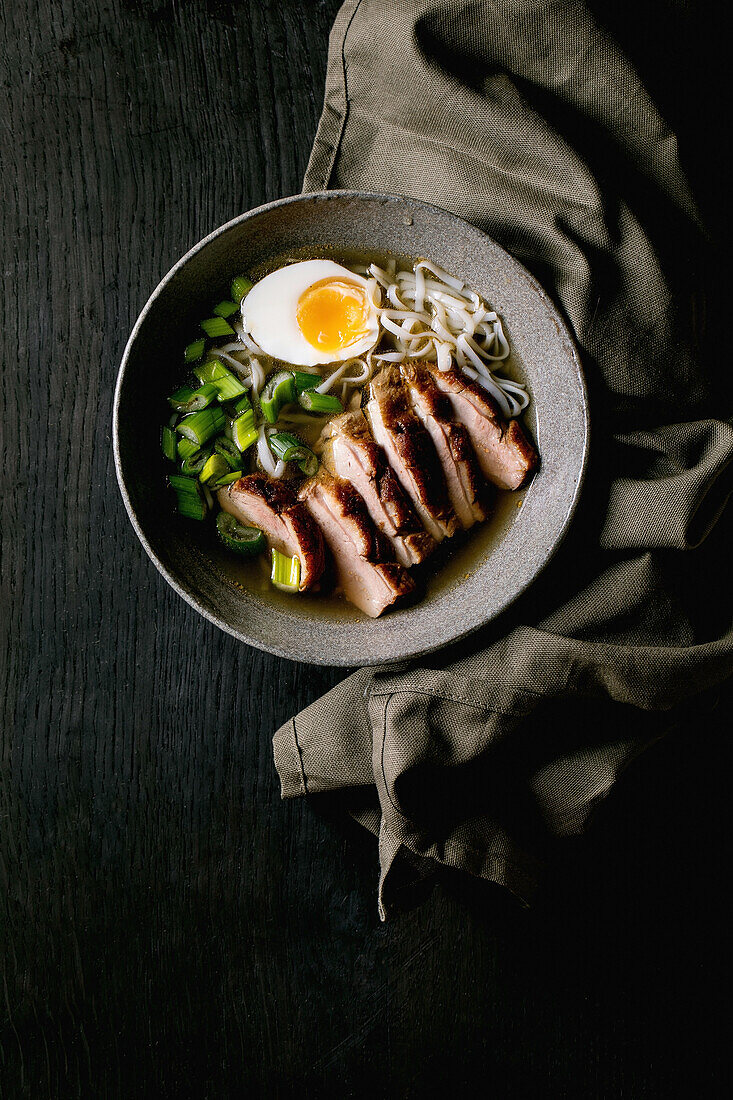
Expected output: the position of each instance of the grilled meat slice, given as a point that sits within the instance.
(467, 488)
(367, 576)
(348, 451)
(505, 454)
(410, 452)
(261, 501)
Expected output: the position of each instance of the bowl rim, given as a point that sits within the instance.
(185, 593)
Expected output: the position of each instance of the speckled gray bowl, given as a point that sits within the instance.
(484, 574)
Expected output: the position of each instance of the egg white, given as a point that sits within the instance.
(269, 314)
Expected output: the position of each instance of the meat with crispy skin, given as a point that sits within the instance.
(261, 501)
(467, 487)
(505, 454)
(348, 451)
(366, 575)
(410, 451)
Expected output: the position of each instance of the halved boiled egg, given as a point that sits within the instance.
(310, 313)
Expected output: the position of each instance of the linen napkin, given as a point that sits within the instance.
(529, 120)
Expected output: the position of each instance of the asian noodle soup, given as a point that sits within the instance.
(276, 386)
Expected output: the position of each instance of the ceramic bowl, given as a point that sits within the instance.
(489, 568)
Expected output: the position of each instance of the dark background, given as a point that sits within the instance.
(168, 926)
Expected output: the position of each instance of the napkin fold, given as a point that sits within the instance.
(529, 120)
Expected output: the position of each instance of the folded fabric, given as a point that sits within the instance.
(528, 120)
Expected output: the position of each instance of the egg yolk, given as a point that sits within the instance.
(332, 315)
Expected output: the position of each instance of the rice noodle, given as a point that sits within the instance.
(246, 339)
(357, 379)
(430, 314)
(274, 468)
(235, 347)
(258, 374)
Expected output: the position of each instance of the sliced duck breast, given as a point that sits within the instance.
(410, 452)
(349, 451)
(505, 454)
(467, 487)
(261, 501)
(366, 575)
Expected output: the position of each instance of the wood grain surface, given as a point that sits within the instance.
(168, 926)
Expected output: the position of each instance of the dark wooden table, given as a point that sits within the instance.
(168, 926)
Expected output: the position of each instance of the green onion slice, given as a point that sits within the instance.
(227, 479)
(186, 447)
(244, 432)
(201, 426)
(183, 484)
(188, 400)
(229, 388)
(188, 494)
(242, 404)
(225, 309)
(279, 390)
(216, 326)
(237, 537)
(181, 399)
(210, 371)
(241, 287)
(290, 449)
(168, 443)
(285, 573)
(228, 451)
(306, 381)
(203, 396)
(284, 445)
(194, 463)
(214, 468)
(322, 403)
(243, 427)
(193, 352)
(216, 374)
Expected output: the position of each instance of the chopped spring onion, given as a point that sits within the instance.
(193, 352)
(181, 399)
(240, 539)
(225, 309)
(168, 443)
(193, 464)
(242, 404)
(216, 374)
(217, 326)
(244, 432)
(279, 390)
(186, 447)
(289, 448)
(306, 381)
(322, 403)
(284, 445)
(241, 287)
(188, 494)
(227, 479)
(214, 468)
(201, 426)
(203, 396)
(188, 400)
(285, 573)
(228, 451)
